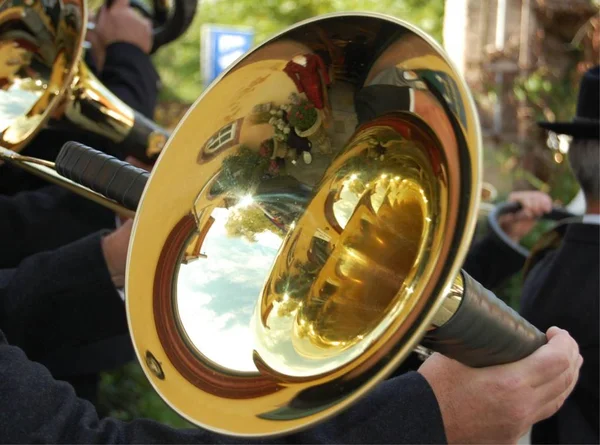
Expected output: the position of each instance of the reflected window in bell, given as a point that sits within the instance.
(262, 108)
(226, 137)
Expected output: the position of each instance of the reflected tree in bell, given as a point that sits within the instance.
(248, 222)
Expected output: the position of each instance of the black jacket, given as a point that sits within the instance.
(62, 308)
(562, 289)
(491, 262)
(35, 408)
(45, 219)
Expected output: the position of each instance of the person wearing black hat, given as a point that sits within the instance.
(585, 126)
(564, 285)
(562, 280)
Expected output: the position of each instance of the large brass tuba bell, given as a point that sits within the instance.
(44, 80)
(304, 228)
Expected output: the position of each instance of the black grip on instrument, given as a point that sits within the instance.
(556, 214)
(484, 331)
(107, 175)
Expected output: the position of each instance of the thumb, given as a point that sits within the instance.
(99, 15)
(554, 331)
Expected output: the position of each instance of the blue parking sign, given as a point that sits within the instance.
(220, 47)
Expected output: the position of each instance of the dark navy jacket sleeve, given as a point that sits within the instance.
(61, 299)
(35, 408)
(490, 261)
(129, 73)
(45, 219)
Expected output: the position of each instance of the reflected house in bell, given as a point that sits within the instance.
(270, 87)
(228, 136)
(244, 131)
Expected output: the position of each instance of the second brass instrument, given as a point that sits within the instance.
(44, 81)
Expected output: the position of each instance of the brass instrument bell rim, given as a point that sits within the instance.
(66, 83)
(143, 331)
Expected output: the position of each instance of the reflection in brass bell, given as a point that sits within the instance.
(44, 81)
(305, 227)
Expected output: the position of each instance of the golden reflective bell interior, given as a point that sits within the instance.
(357, 252)
(303, 225)
(40, 44)
(44, 79)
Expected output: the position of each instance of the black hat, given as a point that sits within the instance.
(586, 124)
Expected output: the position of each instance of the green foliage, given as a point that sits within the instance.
(179, 63)
(241, 172)
(302, 116)
(561, 184)
(126, 394)
(247, 223)
(550, 98)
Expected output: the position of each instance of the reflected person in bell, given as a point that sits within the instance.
(562, 283)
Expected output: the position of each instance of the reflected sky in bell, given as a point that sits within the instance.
(216, 295)
(344, 207)
(15, 103)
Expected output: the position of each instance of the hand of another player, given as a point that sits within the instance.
(498, 404)
(534, 205)
(119, 23)
(114, 248)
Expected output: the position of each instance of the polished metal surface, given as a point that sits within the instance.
(91, 106)
(304, 224)
(44, 80)
(40, 47)
(451, 303)
(360, 249)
